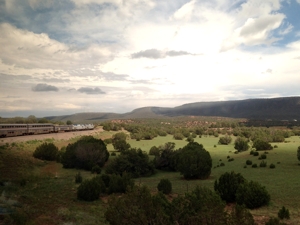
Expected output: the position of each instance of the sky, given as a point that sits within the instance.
(64, 57)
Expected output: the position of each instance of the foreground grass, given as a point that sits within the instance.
(49, 196)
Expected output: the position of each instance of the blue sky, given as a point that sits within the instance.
(63, 57)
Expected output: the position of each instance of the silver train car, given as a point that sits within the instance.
(12, 130)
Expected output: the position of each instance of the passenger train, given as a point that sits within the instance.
(12, 130)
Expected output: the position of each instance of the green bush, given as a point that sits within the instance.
(274, 221)
(254, 165)
(78, 178)
(85, 153)
(262, 145)
(113, 154)
(165, 186)
(263, 156)
(222, 164)
(225, 140)
(133, 161)
(194, 162)
(272, 166)
(248, 162)
(255, 153)
(252, 195)
(154, 150)
(284, 213)
(96, 169)
(46, 151)
(252, 152)
(89, 190)
(231, 159)
(227, 185)
(241, 144)
(119, 184)
(263, 164)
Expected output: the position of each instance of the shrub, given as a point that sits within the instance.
(272, 166)
(225, 140)
(119, 184)
(113, 154)
(252, 152)
(46, 151)
(194, 161)
(154, 150)
(231, 159)
(263, 156)
(256, 154)
(263, 164)
(78, 178)
(228, 157)
(119, 141)
(241, 144)
(96, 169)
(284, 213)
(227, 185)
(248, 162)
(262, 145)
(89, 190)
(254, 165)
(222, 164)
(165, 186)
(252, 195)
(274, 221)
(85, 153)
(132, 161)
(275, 146)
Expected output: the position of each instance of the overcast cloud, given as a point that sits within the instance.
(58, 57)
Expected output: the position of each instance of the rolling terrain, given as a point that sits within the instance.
(286, 108)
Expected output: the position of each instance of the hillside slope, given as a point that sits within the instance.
(287, 108)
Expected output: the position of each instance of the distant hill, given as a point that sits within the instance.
(286, 108)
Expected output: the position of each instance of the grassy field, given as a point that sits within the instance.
(49, 195)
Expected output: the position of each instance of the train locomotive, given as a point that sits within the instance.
(12, 130)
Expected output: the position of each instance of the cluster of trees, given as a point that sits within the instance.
(200, 206)
(233, 187)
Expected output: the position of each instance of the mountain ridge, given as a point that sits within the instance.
(283, 108)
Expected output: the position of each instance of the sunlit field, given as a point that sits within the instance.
(50, 191)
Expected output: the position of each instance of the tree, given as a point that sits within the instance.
(31, 119)
(119, 141)
(138, 206)
(165, 186)
(89, 190)
(133, 161)
(227, 185)
(259, 144)
(241, 144)
(46, 151)
(252, 195)
(225, 140)
(164, 159)
(85, 153)
(69, 122)
(194, 162)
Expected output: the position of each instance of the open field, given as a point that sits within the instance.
(49, 195)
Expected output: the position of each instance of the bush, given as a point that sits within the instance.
(274, 221)
(113, 154)
(89, 190)
(263, 164)
(225, 140)
(154, 150)
(252, 152)
(46, 151)
(254, 165)
(284, 213)
(255, 153)
(248, 162)
(241, 144)
(194, 162)
(133, 161)
(231, 159)
(165, 186)
(275, 146)
(78, 178)
(263, 156)
(222, 164)
(252, 195)
(227, 185)
(96, 169)
(85, 153)
(262, 145)
(119, 184)
(272, 166)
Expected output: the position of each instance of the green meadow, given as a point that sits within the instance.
(48, 192)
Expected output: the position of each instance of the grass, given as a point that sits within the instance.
(49, 196)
